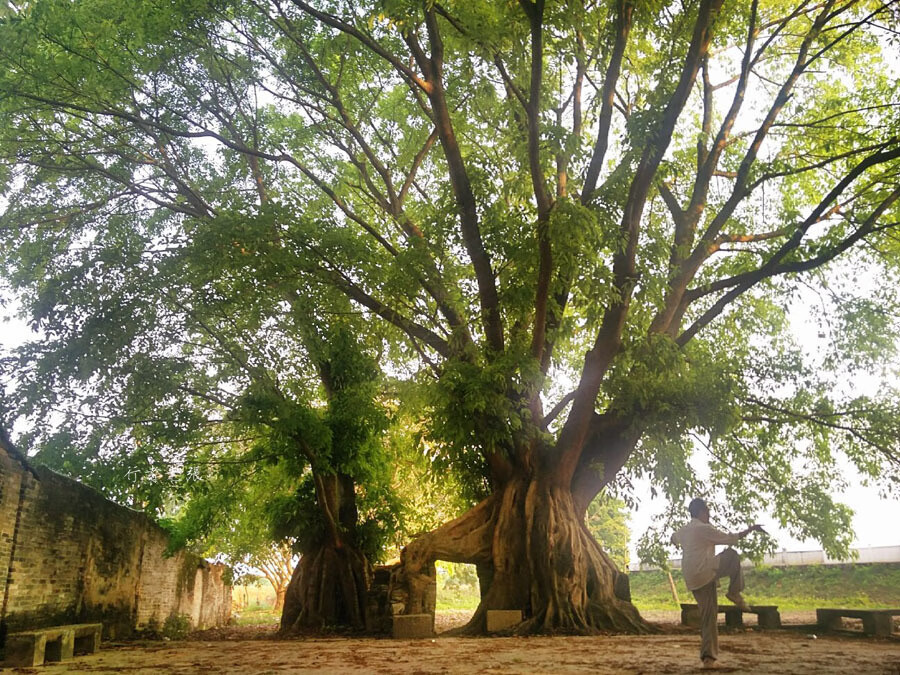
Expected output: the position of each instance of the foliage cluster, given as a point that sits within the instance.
(175, 627)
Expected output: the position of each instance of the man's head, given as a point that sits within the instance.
(699, 510)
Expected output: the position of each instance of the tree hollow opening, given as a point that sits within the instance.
(458, 594)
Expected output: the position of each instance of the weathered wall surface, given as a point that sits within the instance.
(68, 555)
(12, 477)
(180, 584)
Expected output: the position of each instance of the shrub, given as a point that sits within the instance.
(176, 627)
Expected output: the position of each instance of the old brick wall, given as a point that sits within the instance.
(78, 557)
(215, 610)
(12, 478)
(181, 584)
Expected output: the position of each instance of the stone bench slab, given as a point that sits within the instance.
(56, 643)
(502, 619)
(768, 615)
(875, 621)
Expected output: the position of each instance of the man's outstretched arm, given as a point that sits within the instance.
(753, 528)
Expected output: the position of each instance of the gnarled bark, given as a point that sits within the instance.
(528, 539)
(328, 588)
(329, 584)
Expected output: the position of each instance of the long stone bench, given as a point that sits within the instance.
(31, 648)
(875, 621)
(767, 615)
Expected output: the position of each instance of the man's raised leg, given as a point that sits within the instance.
(730, 566)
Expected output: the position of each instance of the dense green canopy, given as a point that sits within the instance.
(580, 229)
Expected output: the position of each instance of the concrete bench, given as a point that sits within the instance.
(875, 621)
(31, 648)
(767, 615)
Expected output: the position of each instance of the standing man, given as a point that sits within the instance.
(702, 569)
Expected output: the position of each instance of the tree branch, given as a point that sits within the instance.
(416, 163)
(535, 13)
(367, 41)
(741, 283)
(459, 180)
(624, 14)
(390, 315)
(676, 300)
(573, 435)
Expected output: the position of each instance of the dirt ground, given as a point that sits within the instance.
(674, 650)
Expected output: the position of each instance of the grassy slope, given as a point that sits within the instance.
(798, 588)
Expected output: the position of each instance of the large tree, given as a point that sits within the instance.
(622, 196)
(185, 379)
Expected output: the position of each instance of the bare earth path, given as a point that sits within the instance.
(254, 651)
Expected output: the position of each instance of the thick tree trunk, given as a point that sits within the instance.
(328, 588)
(542, 558)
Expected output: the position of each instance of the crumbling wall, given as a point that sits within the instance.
(68, 555)
(389, 596)
(182, 584)
(12, 478)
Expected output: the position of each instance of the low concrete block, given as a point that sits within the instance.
(690, 615)
(875, 621)
(409, 626)
(59, 646)
(501, 619)
(25, 651)
(734, 618)
(767, 615)
(87, 637)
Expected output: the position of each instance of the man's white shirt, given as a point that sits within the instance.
(698, 542)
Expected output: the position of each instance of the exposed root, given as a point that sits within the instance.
(328, 588)
(542, 559)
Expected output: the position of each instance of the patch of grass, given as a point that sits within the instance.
(257, 616)
(458, 599)
(457, 586)
(791, 588)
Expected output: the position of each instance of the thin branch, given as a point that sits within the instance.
(624, 14)
(558, 408)
(459, 181)
(741, 283)
(367, 41)
(416, 163)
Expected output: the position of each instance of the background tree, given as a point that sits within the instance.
(165, 369)
(428, 492)
(622, 196)
(277, 565)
